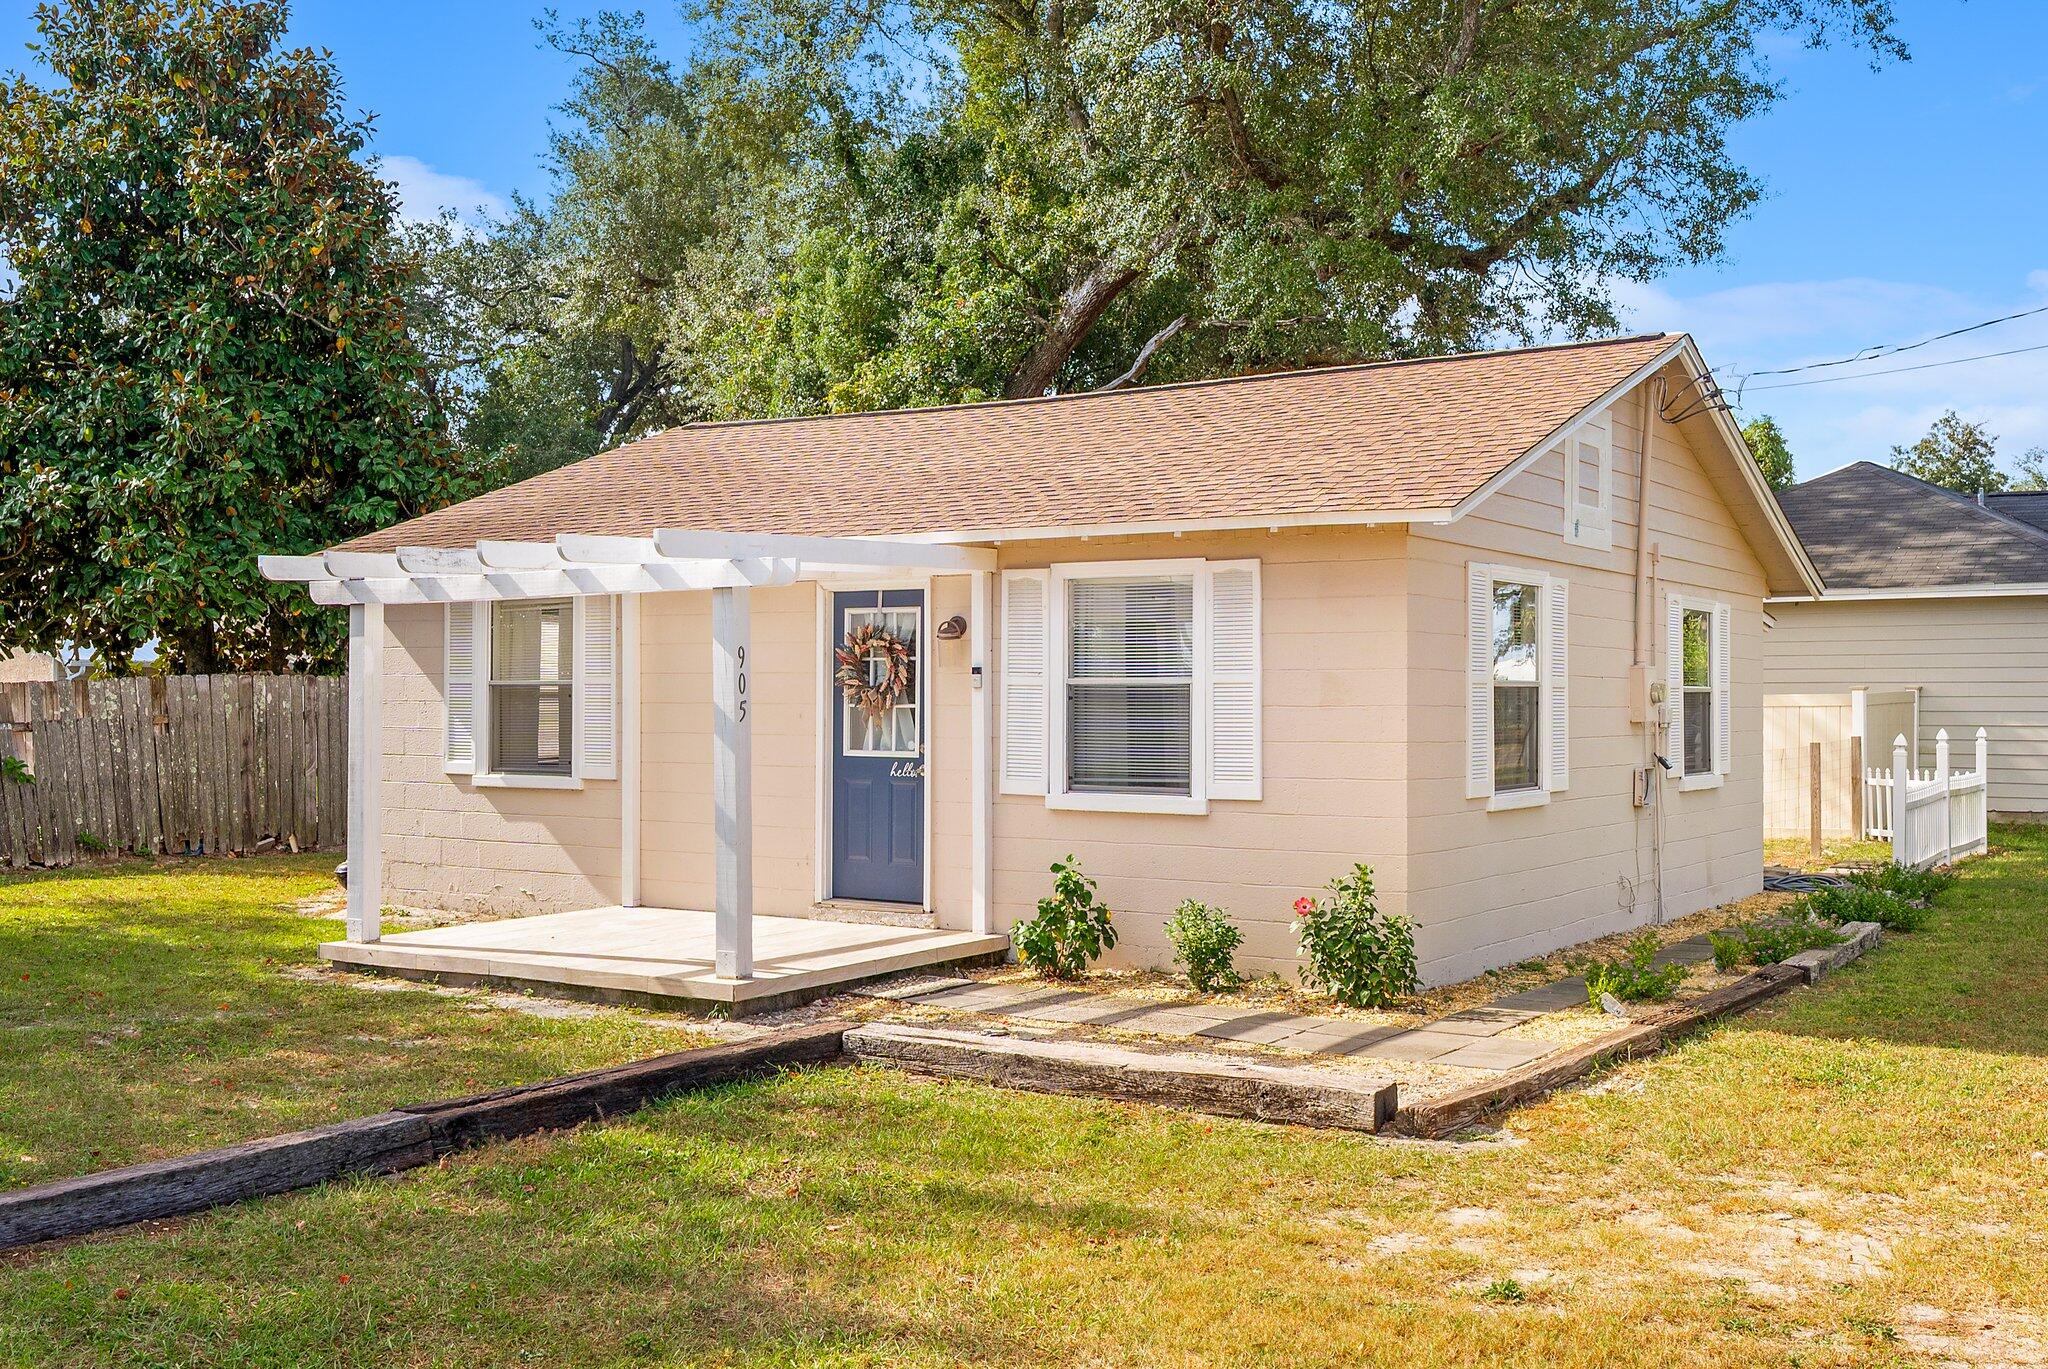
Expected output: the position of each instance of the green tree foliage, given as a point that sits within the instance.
(1962, 456)
(834, 207)
(205, 355)
(1767, 444)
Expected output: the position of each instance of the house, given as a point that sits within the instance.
(1219, 640)
(34, 667)
(1938, 595)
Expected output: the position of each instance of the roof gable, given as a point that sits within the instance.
(1870, 527)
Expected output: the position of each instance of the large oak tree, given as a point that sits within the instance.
(204, 354)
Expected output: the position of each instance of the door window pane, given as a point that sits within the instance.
(1130, 685)
(532, 688)
(1516, 692)
(894, 732)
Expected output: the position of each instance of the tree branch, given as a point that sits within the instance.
(1145, 355)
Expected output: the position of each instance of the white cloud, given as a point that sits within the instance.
(1865, 409)
(424, 192)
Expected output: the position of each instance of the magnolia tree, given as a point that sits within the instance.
(204, 351)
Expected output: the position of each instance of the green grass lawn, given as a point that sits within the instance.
(1856, 1175)
(144, 1011)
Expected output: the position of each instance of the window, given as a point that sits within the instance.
(532, 691)
(894, 733)
(1131, 685)
(1517, 688)
(1697, 683)
(1698, 660)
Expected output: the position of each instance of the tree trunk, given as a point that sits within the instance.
(1080, 309)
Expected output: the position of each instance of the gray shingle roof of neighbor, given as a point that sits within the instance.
(2028, 506)
(1868, 526)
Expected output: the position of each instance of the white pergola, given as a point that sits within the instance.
(729, 565)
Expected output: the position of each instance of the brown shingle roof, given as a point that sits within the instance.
(1413, 435)
(1870, 527)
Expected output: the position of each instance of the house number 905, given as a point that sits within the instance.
(740, 683)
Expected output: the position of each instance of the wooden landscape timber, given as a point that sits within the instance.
(1224, 1086)
(403, 1138)
(1450, 1113)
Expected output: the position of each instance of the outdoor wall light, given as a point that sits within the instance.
(953, 629)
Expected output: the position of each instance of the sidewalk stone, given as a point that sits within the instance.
(1488, 1054)
(1261, 1028)
(1417, 1045)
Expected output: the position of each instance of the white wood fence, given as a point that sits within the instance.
(1943, 812)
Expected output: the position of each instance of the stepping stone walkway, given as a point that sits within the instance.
(1469, 1039)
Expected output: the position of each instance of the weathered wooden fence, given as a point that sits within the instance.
(188, 763)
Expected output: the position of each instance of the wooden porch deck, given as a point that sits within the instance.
(661, 957)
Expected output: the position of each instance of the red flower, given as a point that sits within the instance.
(1304, 905)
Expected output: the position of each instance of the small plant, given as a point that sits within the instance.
(1861, 903)
(92, 845)
(1903, 881)
(1072, 927)
(1636, 977)
(14, 768)
(1363, 957)
(1204, 940)
(1505, 1289)
(1757, 943)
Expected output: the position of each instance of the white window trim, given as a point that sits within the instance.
(1711, 778)
(1589, 525)
(1195, 802)
(487, 775)
(1508, 800)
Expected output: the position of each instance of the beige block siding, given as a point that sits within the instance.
(1979, 663)
(1334, 693)
(1491, 888)
(449, 844)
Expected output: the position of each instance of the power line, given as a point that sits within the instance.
(1875, 351)
(1897, 370)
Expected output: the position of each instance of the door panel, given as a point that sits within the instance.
(878, 764)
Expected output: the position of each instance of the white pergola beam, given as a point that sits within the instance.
(362, 565)
(290, 568)
(617, 551)
(497, 555)
(440, 561)
(824, 552)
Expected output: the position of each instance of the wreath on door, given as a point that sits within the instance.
(854, 678)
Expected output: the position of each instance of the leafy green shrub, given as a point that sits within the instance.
(1505, 1289)
(1204, 939)
(1862, 903)
(1758, 943)
(1902, 881)
(92, 845)
(1071, 929)
(14, 768)
(1635, 978)
(1363, 957)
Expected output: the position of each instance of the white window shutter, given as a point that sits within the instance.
(1026, 681)
(1478, 682)
(1674, 685)
(1724, 692)
(1557, 685)
(459, 685)
(597, 707)
(1234, 680)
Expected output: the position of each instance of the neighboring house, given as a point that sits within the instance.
(30, 667)
(1219, 640)
(1927, 590)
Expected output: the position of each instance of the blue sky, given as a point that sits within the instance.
(1903, 202)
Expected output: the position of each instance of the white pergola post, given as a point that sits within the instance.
(732, 784)
(365, 770)
(629, 750)
(980, 706)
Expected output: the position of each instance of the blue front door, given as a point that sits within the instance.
(878, 762)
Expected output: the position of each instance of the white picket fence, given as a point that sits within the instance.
(1943, 814)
